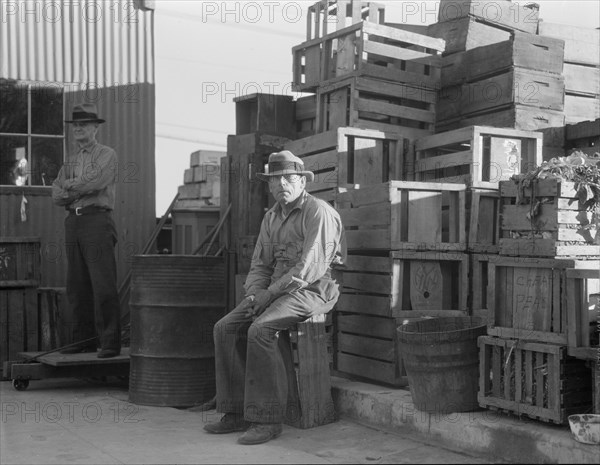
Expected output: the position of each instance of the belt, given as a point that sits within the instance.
(87, 210)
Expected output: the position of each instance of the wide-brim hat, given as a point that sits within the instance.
(285, 162)
(85, 113)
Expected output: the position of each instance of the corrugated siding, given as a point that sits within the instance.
(103, 52)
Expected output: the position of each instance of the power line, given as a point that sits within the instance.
(190, 139)
(192, 127)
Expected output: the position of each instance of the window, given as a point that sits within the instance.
(31, 132)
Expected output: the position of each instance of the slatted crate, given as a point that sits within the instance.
(582, 290)
(513, 86)
(483, 220)
(265, 113)
(20, 261)
(478, 156)
(305, 116)
(465, 34)
(501, 13)
(329, 15)
(526, 298)
(539, 381)
(546, 219)
(367, 49)
(374, 104)
(389, 216)
(522, 50)
(349, 156)
(583, 136)
(18, 322)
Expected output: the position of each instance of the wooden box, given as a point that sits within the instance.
(478, 156)
(514, 116)
(465, 34)
(502, 13)
(390, 216)
(582, 290)
(580, 108)
(483, 220)
(373, 104)
(20, 261)
(406, 284)
(530, 379)
(52, 318)
(191, 226)
(583, 136)
(546, 219)
(514, 86)
(522, 50)
(328, 16)
(306, 116)
(349, 156)
(526, 299)
(582, 44)
(265, 113)
(18, 322)
(368, 49)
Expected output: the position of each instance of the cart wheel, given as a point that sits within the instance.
(20, 384)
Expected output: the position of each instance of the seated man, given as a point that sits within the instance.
(292, 277)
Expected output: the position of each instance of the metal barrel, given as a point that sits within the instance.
(441, 359)
(175, 300)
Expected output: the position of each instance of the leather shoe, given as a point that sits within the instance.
(259, 433)
(230, 423)
(78, 349)
(108, 353)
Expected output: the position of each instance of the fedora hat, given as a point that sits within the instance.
(85, 112)
(285, 162)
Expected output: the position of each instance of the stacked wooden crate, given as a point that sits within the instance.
(496, 71)
(370, 76)
(20, 263)
(402, 265)
(581, 69)
(539, 291)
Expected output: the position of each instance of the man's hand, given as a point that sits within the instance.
(256, 304)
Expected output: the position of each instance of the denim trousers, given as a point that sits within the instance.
(251, 377)
(93, 297)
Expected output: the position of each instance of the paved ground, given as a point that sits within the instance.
(85, 422)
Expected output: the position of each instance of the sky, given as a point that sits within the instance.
(209, 52)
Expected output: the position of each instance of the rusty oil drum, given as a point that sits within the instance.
(175, 301)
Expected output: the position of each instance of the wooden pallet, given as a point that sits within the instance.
(501, 13)
(522, 50)
(513, 86)
(560, 227)
(327, 16)
(367, 49)
(349, 156)
(530, 379)
(478, 156)
(374, 104)
(526, 298)
(389, 216)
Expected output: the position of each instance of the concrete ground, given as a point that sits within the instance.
(70, 421)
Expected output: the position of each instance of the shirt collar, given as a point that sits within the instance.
(88, 147)
(299, 204)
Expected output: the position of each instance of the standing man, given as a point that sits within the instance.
(86, 186)
(292, 277)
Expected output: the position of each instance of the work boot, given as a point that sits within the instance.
(108, 353)
(260, 432)
(79, 349)
(230, 423)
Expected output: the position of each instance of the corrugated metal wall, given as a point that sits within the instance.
(102, 52)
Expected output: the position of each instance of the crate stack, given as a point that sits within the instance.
(20, 263)
(496, 71)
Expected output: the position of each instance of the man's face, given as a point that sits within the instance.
(84, 131)
(287, 188)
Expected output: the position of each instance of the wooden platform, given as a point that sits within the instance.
(56, 359)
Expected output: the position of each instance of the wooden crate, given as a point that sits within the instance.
(561, 228)
(389, 216)
(20, 261)
(530, 379)
(373, 104)
(483, 220)
(582, 45)
(329, 15)
(478, 156)
(465, 34)
(580, 108)
(514, 86)
(18, 322)
(583, 136)
(306, 116)
(368, 49)
(582, 290)
(406, 284)
(522, 50)
(349, 156)
(526, 299)
(265, 113)
(52, 314)
(514, 116)
(502, 13)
